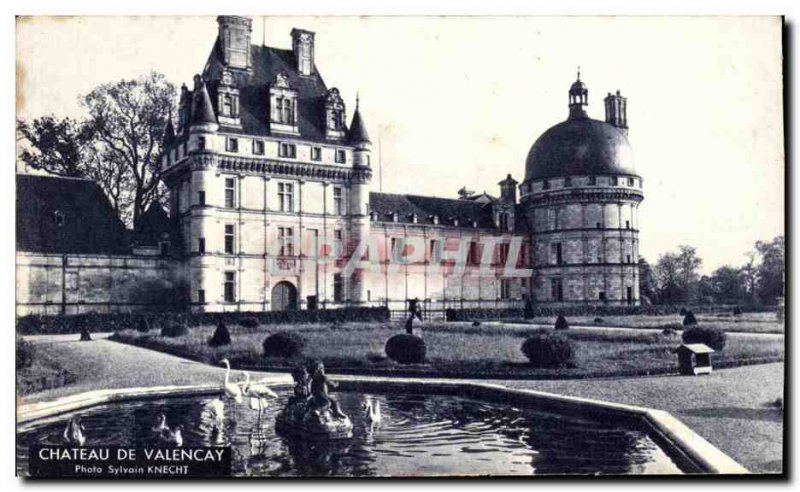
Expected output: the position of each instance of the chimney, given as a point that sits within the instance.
(616, 111)
(234, 40)
(303, 48)
(508, 189)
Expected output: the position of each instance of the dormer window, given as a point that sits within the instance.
(228, 100)
(283, 106)
(335, 126)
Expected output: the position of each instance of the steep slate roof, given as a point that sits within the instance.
(384, 204)
(358, 131)
(253, 87)
(153, 224)
(89, 224)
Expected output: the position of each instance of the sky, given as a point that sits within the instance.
(458, 101)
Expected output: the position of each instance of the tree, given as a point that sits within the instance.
(677, 275)
(647, 281)
(728, 285)
(770, 272)
(58, 146)
(128, 118)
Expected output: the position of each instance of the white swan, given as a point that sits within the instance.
(232, 390)
(173, 436)
(161, 426)
(258, 393)
(373, 410)
(73, 433)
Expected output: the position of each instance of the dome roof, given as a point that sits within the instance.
(579, 146)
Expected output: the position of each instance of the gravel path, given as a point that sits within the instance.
(729, 407)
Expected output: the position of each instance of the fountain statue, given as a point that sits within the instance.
(311, 410)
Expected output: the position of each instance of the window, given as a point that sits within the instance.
(201, 197)
(628, 259)
(504, 221)
(545, 185)
(201, 296)
(615, 181)
(502, 253)
(436, 251)
(341, 156)
(505, 288)
(287, 150)
(201, 245)
(230, 193)
(284, 110)
(229, 237)
(201, 143)
(258, 147)
(555, 253)
(473, 257)
(627, 224)
(598, 225)
(601, 295)
(592, 180)
(338, 288)
(227, 105)
(567, 182)
(229, 288)
(396, 254)
(163, 248)
(316, 153)
(630, 181)
(286, 197)
(286, 240)
(337, 201)
(232, 144)
(556, 290)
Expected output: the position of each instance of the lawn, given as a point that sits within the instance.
(747, 322)
(475, 351)
(47, 370)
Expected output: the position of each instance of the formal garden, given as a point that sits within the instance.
(364, 341)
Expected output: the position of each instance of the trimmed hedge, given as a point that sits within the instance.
(173, 328)
(547, 349)
(713, 337)
(25, 353)
(689, 319)
(220, 337)
(561, 323)
(35, 324)
(406, 349)
(283, 344)
(485, 314)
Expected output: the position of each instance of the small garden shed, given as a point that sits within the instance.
(694, 358)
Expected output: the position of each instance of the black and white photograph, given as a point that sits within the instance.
(270, 246)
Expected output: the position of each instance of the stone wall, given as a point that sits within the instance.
(74, 284)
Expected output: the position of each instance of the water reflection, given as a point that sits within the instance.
(416, 435)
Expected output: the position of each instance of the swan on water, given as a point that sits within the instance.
(258, 393)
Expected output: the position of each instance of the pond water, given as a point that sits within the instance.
(418, 435)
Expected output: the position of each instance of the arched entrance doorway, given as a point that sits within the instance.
(284, 297)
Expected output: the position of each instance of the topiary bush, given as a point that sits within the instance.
(547, 349)
(25, 353)
(283, 344)
(173, 329)
(561, 323)
(683, 311)
(689, 319)
(713, 337)
(598, 321)
(250, 322)
(142, 324)
(220, 337)
(406, 349)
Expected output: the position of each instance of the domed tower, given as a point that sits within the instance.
(581, 196)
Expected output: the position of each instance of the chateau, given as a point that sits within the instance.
(271, 208)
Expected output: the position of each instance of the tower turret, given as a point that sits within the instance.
(359, 138)
(578, 99)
